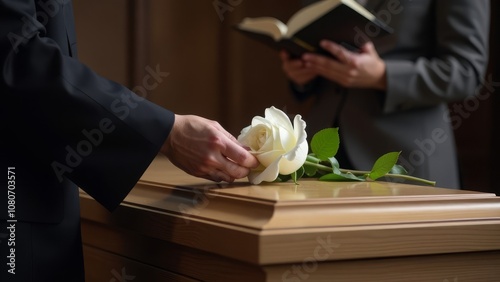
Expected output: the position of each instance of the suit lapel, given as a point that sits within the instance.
(70, 27)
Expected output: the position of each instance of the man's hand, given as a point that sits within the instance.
(202, 148)
(296, 70)
(354, 70)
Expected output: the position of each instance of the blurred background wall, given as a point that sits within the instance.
(215, 72)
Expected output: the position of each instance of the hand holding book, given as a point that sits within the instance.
(363, 69)
(340, 21)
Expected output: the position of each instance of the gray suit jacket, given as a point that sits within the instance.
(437, 55)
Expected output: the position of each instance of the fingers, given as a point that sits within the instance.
(290, 65)
(364, 69)
(230, 170)
(342, 70)
(339, 52)
(222, 166)
(296, 70)
(234, 160)
(368, 47)
(325, 66)
(219, 176)
(238, 157)
(284, 56)
(203, 148)
(235, 151)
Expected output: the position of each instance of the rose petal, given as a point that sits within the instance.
(299, 127)
(300, 134)
(267, 158)
(287, 139)
(269, 174)
(279, 118)
(288, 164)
(277, 144)
(260, 120)
(283, 125)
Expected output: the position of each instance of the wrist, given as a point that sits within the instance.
(167, 144)
(381, 81)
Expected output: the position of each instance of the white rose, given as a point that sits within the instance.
(280, 147)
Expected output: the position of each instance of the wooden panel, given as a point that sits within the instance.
(203, 266)
(175, 223)
(141, 42)
(255, 79)
(105, 266)
(104, 40)
(281, 222)
(185, 42)
(477, 145)
(216, 72)
(471, 267)
(162, 254)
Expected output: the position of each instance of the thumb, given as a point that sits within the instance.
(369, 48)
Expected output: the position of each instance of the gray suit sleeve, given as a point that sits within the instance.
(457, 66)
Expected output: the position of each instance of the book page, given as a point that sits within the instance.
(360, 9)
(265, 25)
(310, 13)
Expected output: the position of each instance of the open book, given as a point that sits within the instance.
(343, 21)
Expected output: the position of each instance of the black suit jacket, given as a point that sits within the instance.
(64, 127)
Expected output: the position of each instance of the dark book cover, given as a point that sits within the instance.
(342, 25)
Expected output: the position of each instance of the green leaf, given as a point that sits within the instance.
(283, 178)
(311, 170)
(398, 169)
(325, 143)
(383, 165)
(335, 165)
(341, 177)
(298, 174)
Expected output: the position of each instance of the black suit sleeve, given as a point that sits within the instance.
(88, 129)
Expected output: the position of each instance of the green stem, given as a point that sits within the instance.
(412, 178)
(318, 166)
(355, 172)
(312, 162)
(329, 169)
(312, 159)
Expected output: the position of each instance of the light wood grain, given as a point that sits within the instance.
(265, 230)
(105, 266)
